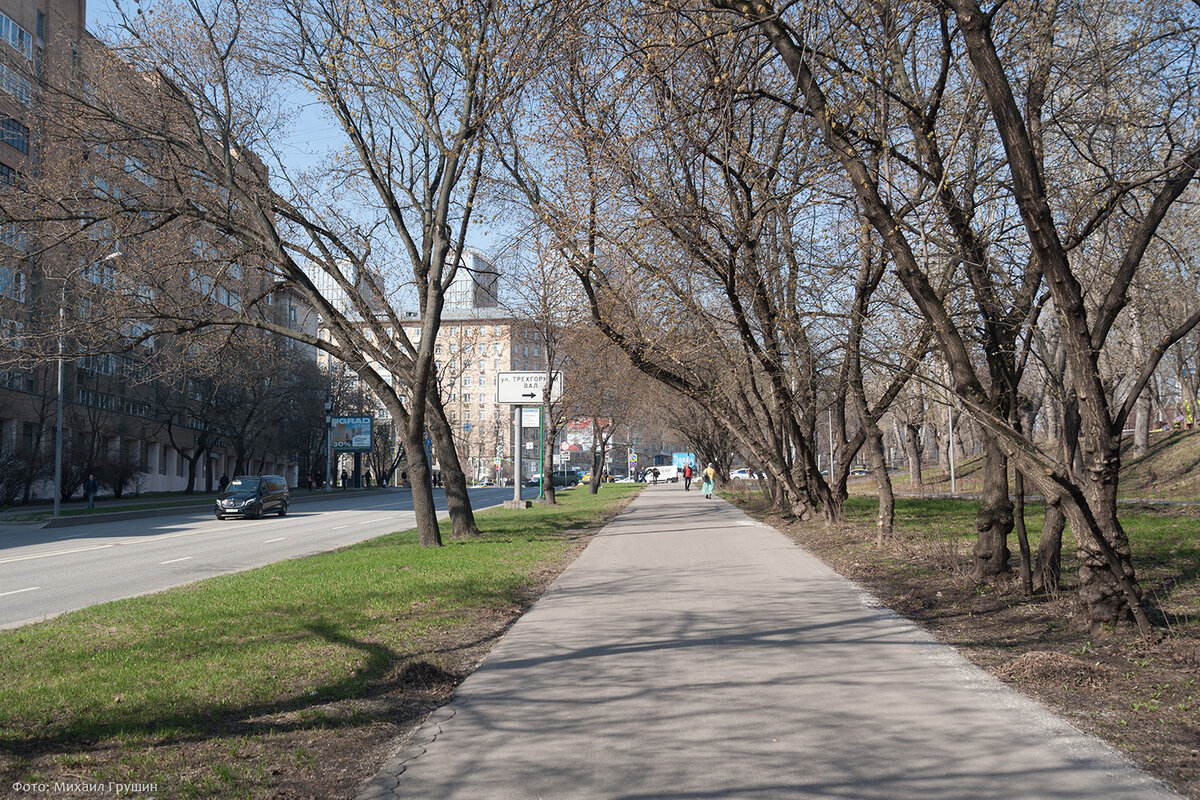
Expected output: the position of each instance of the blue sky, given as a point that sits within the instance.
(313, 134)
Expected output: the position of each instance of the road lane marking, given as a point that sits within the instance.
(55, 553)
(339, 527)
(373, 521)
(270, 541)
(18, 591)
(176, 560)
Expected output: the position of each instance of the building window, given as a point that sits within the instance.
(8, 175)
(16, 85)
(12, 284)
(16, 36)
(14, 133)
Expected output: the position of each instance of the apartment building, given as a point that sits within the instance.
(473, 346)
(115, 414)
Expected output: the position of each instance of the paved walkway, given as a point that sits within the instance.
(691, 652)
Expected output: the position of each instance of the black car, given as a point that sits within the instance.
(253, 496)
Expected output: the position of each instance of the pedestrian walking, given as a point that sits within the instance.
(710, 481)
(687, 477)
(654, 476)
(368, 479)
(222, 483)
(345, 479)
(90, 487)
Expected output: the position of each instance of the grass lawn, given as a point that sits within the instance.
(248, 669)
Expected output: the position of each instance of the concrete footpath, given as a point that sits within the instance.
(691, 652)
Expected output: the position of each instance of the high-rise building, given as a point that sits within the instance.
(476, 284)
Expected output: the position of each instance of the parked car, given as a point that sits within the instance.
(249, 496)
(742, 474)
(859, 472)
(565, 478)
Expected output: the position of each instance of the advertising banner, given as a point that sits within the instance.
(682, 459)
(350, 434)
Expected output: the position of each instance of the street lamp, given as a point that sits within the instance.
(62, 370)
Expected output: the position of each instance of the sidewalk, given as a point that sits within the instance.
(691, 652)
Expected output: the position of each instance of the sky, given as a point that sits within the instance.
(313, 134)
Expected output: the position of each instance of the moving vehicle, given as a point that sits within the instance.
(251, 497)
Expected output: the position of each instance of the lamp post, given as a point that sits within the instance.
(58, 425)
(62, 370)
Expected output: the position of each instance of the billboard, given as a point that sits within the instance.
(682, 459)
(350, 434)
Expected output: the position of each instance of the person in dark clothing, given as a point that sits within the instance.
(90, 487)
(222, 483)
(345, 479)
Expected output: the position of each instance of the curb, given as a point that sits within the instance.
(197, 508)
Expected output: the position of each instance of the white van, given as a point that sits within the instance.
(666, 473)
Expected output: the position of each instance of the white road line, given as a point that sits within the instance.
(271, 541)
(339, 527)
(176, 560)
(18, 591)
(373, 521)
(55, 553)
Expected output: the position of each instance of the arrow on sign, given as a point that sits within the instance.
(530, 394)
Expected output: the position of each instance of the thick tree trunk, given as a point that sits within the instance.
(422, 488)
(1107, 584)
(995, 518)
(1049, 556)
(454, 480)
(912, 453)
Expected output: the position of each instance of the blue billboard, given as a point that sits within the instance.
(682, 459)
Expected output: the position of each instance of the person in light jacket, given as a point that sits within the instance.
(710, 481)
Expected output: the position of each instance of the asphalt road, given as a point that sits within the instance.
(691, 652)
(44, 572)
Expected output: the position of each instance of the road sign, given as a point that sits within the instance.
(531, 417)
(632, 459)
(525, 388)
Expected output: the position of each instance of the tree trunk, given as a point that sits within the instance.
(912, 453)
(1107, 589)
(1049, 557)
(454, 480)
(548, 477)
(995, 518)
(1023, 534)
(873, 446)
(422, 488)
(1141, 426)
